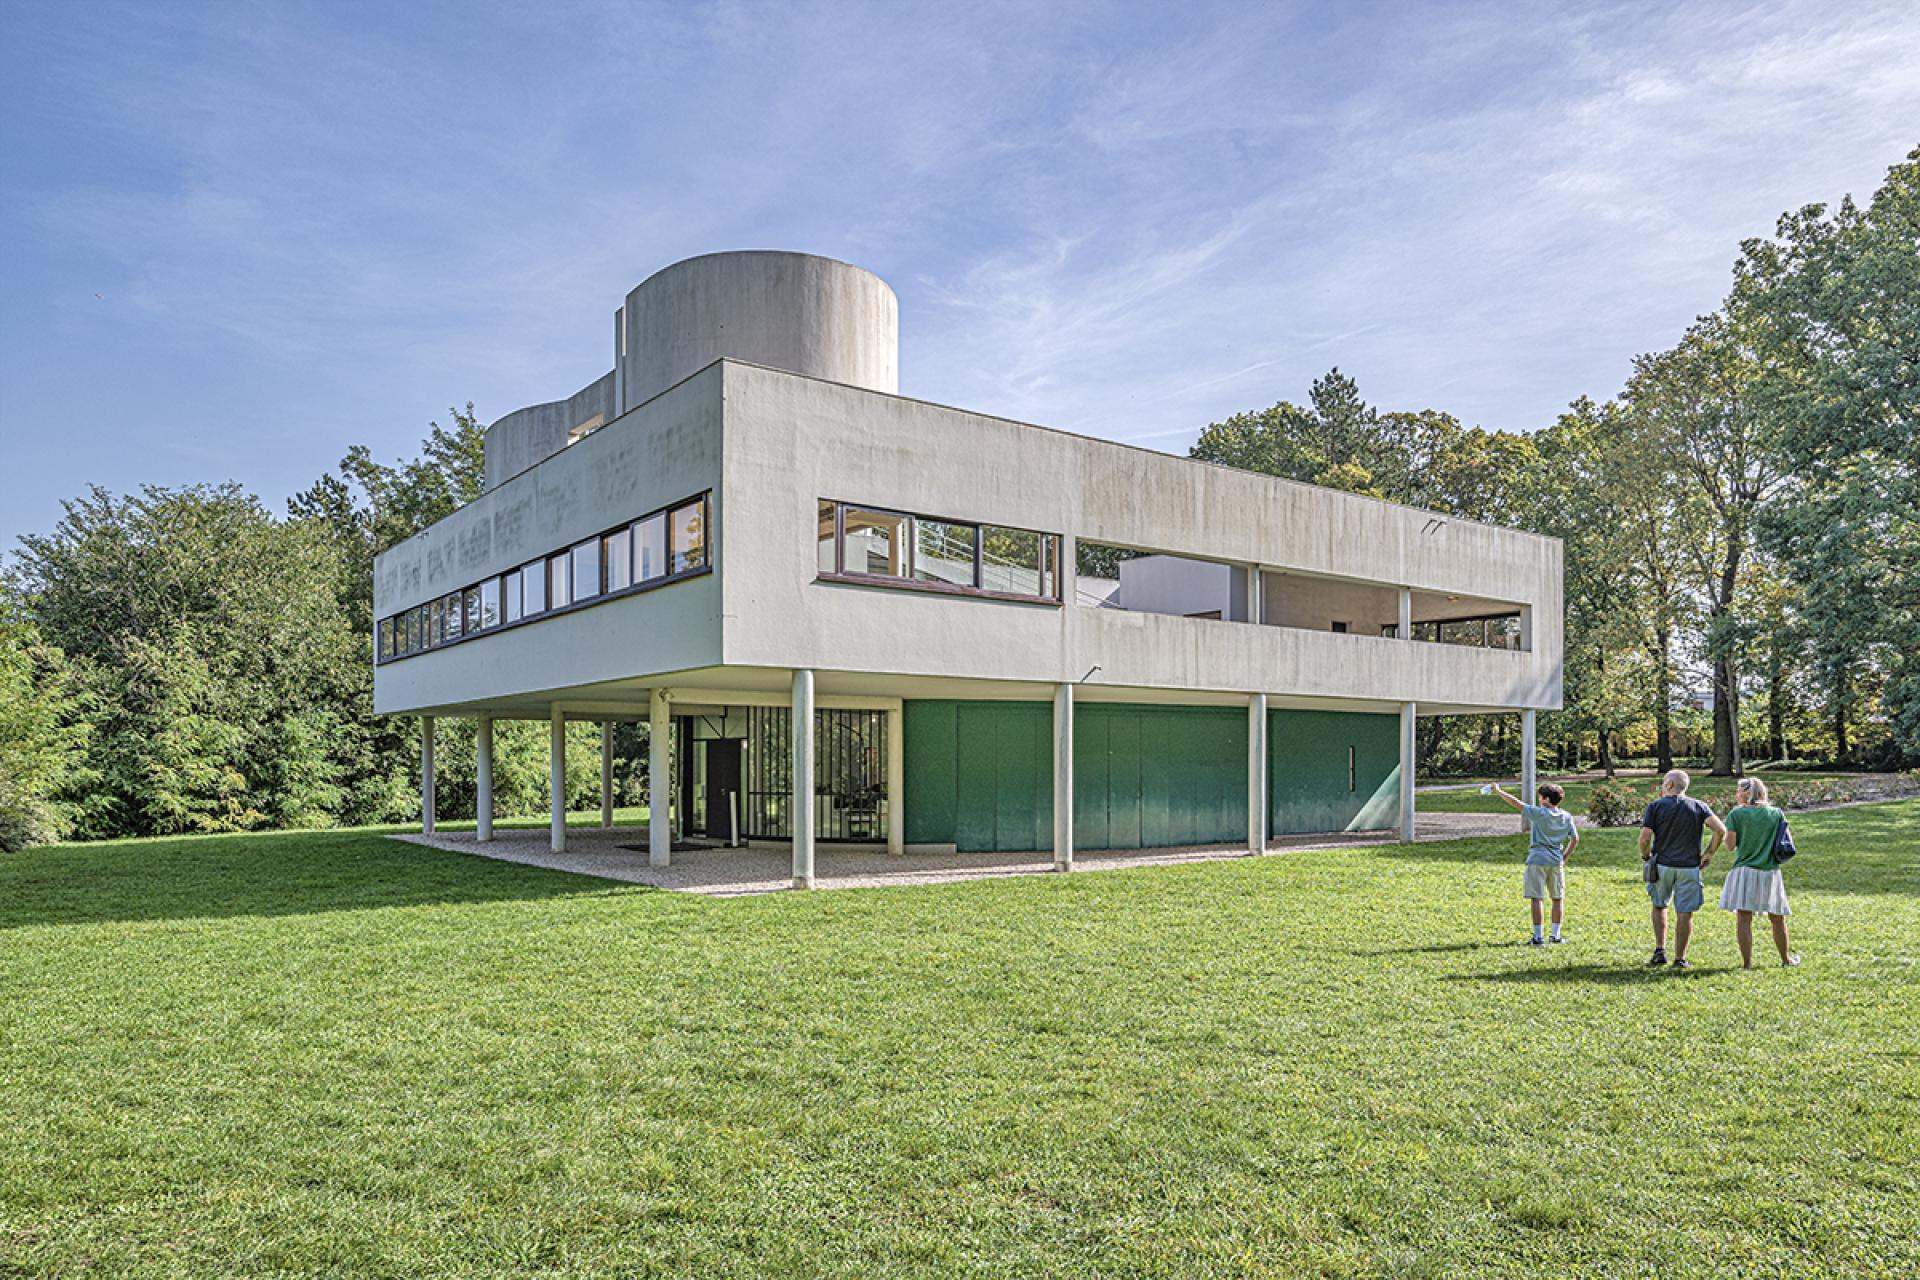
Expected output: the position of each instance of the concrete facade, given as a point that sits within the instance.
(767, 383)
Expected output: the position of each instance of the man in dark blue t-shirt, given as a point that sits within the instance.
(1670, 849)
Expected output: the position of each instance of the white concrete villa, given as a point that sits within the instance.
(850, 616)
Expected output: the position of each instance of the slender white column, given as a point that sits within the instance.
(1529, 758)
(606, 773)
(1406, 613)
(1257, 773)
(1408, 749)
(557, 780)
(896, 780)
(1253, 594)
(483, 779)
(1063, 778)
(659, 782)
(802, 806)
(426, 775)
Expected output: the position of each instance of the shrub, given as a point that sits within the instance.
(1614, 805)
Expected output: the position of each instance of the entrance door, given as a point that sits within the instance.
(723, 785)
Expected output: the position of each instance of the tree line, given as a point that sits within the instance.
(1740, 527)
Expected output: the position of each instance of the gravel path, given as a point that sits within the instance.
(768, 867)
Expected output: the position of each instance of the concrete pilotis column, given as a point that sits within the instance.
(1257, 773)
(426, 775)
(802, 806)
(1406, 613)
(659, 783)
(557, 780)
(606, 773)
(1063, 778)
(1529, 753)
(1408, 749)
(1254, 608)
(483, 779)
(896, 780)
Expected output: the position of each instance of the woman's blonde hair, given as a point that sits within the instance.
(1756, 790)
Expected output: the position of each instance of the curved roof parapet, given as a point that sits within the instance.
(539, 431)
(794, 311)
(791, 311)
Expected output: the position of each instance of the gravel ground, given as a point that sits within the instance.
(766, 868)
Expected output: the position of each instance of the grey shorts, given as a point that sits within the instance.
(1546, 882)
(1680, 886)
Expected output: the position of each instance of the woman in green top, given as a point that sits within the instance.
(1755, 883)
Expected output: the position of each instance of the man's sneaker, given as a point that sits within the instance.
(1683, 963)
(1659, 958)
(1535, 941)
(1555, 939)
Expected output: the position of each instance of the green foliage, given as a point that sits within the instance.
(1835, 298)
(43, 736)
(1613, 804)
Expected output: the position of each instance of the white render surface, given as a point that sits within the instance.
(770, 444)
(793, 440)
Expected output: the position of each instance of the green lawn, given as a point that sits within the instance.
(338, 1054)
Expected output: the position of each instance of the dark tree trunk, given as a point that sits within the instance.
(1663, 710)
(1606, 753)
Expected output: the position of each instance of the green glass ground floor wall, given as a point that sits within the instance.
(979, 775)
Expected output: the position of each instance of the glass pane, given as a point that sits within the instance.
(385, 642)
(618, 550)
(943, 552)
(827, 560)
(1010, 561)
(436, 622)
(688, 528)
(490, 603)
(533, 587)
(650, 548)
(1504, 633)
(471, 598)
(876, 543)
(1470, 632)
(586, 570)
(510, 597)
(559, 592)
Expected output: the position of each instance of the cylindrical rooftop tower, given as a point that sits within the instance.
(790, 311)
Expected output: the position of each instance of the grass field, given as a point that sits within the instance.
(338, 1054)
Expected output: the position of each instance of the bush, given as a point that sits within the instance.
(1614, 805)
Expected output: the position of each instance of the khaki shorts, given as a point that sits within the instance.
(1546, 882)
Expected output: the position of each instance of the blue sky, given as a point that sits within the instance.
(237, 238)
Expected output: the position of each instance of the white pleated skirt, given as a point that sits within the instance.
(1750, 890)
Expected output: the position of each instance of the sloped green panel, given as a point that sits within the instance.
(1310, 787)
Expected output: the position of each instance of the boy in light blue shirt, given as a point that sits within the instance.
(1551, 837)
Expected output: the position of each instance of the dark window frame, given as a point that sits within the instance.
(1050, 554)
(628, 528)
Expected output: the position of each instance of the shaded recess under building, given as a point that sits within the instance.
(953, 631)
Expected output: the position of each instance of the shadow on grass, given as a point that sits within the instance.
(1603, 975)
(1438, 948)
(264, 874)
